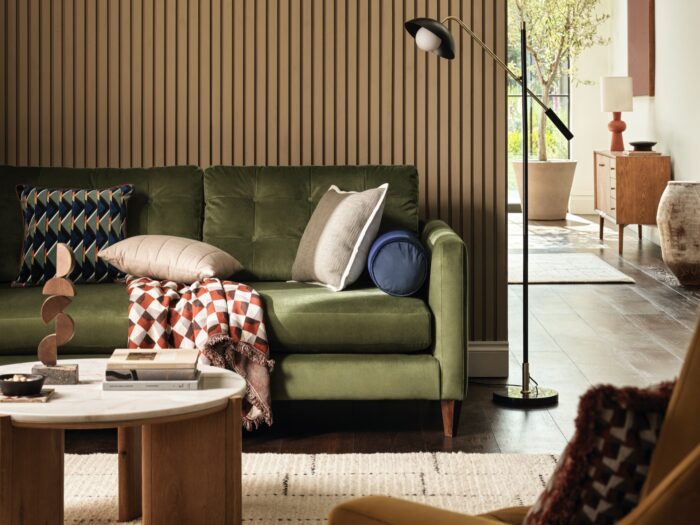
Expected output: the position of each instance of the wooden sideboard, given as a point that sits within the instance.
(628, 188)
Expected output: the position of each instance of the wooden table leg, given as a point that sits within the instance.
(31, 475)
(192, 469)
(129, 448)
(602, 226)
(621, 237)
(639, 231)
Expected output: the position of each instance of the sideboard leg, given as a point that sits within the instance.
(621, 237)
(602, 226)
(129, 449)
(639, 231)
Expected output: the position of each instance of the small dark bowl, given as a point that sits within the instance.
(30, 387)
(643, 145)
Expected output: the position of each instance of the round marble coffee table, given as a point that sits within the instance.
(179, 451)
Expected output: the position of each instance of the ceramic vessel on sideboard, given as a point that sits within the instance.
(679, 229)
(549, 187)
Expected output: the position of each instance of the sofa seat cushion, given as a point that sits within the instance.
(300, 317)
(99, 312)
(308, 318)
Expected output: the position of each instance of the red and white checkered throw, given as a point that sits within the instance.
(223, 319)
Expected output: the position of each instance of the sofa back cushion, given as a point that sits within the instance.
(258, 214)
(166, 201)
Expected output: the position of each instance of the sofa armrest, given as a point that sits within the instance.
(447, 298)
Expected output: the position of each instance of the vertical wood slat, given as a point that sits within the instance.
(283, 88)
(11, 81)
(477, 202)
(79, 105)
(22, 83)
(238, 24)
(295, 89)
(352, 83)
(192, 88)
(260, 82)
(226, 81)
(102, 84)
(215, 45)
(148, 66)
(306, 115)
(250, 93)
(166, 61)
(3, 82)
(90, 81)
(205, 81)
(500, 256)
(154, 82)
(68, 100)
(34, 115)
(56, 83)
(271, 93)
(137, 83)
(318, 70)
(44, 145)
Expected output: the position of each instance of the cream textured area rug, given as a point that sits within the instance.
(301, 488)
(564, 268)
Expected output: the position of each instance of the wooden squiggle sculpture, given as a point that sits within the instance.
(60, 290)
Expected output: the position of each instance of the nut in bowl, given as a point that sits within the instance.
(21, 384)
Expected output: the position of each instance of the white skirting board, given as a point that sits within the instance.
(488, 359)
(582, 204)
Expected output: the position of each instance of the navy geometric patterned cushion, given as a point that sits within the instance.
(599, 477)
(87, 220)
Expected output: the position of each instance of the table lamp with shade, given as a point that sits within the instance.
(616, 97)
(433, 36)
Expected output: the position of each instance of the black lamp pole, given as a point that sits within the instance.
(433, 36)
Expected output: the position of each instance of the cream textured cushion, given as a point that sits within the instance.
(172, 258)
(333, 249)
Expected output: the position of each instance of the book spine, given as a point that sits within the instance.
(149, 385)
(151, 375)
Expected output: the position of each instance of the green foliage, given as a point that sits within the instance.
(558, 31)
(554, 144)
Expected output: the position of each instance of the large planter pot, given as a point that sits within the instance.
(679, 229)
(549, 187)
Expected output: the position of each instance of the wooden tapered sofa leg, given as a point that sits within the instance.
(450, 416)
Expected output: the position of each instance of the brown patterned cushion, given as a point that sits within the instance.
(600, 475)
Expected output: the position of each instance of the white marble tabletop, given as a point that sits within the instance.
(88, 403)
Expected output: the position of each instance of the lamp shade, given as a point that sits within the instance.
(616, 94)
(432, 36)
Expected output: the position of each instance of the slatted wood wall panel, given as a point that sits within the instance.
(162, 82)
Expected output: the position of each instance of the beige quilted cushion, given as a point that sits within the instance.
(333, 250)
(172, 258)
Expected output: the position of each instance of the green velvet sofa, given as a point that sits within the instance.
(356, 344)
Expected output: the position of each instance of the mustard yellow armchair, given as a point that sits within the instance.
(671, 493)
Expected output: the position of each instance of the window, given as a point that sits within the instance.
(557, 145)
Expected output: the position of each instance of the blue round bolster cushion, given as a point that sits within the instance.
(397, 263)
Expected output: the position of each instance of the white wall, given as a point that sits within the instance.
(588, 124)
(670, 117)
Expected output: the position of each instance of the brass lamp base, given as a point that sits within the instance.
(513, 396)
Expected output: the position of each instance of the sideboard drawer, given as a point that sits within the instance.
(628, 188)
(605, 184)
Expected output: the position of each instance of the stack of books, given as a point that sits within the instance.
(173, 369)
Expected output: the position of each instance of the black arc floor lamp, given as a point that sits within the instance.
(433, 36)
